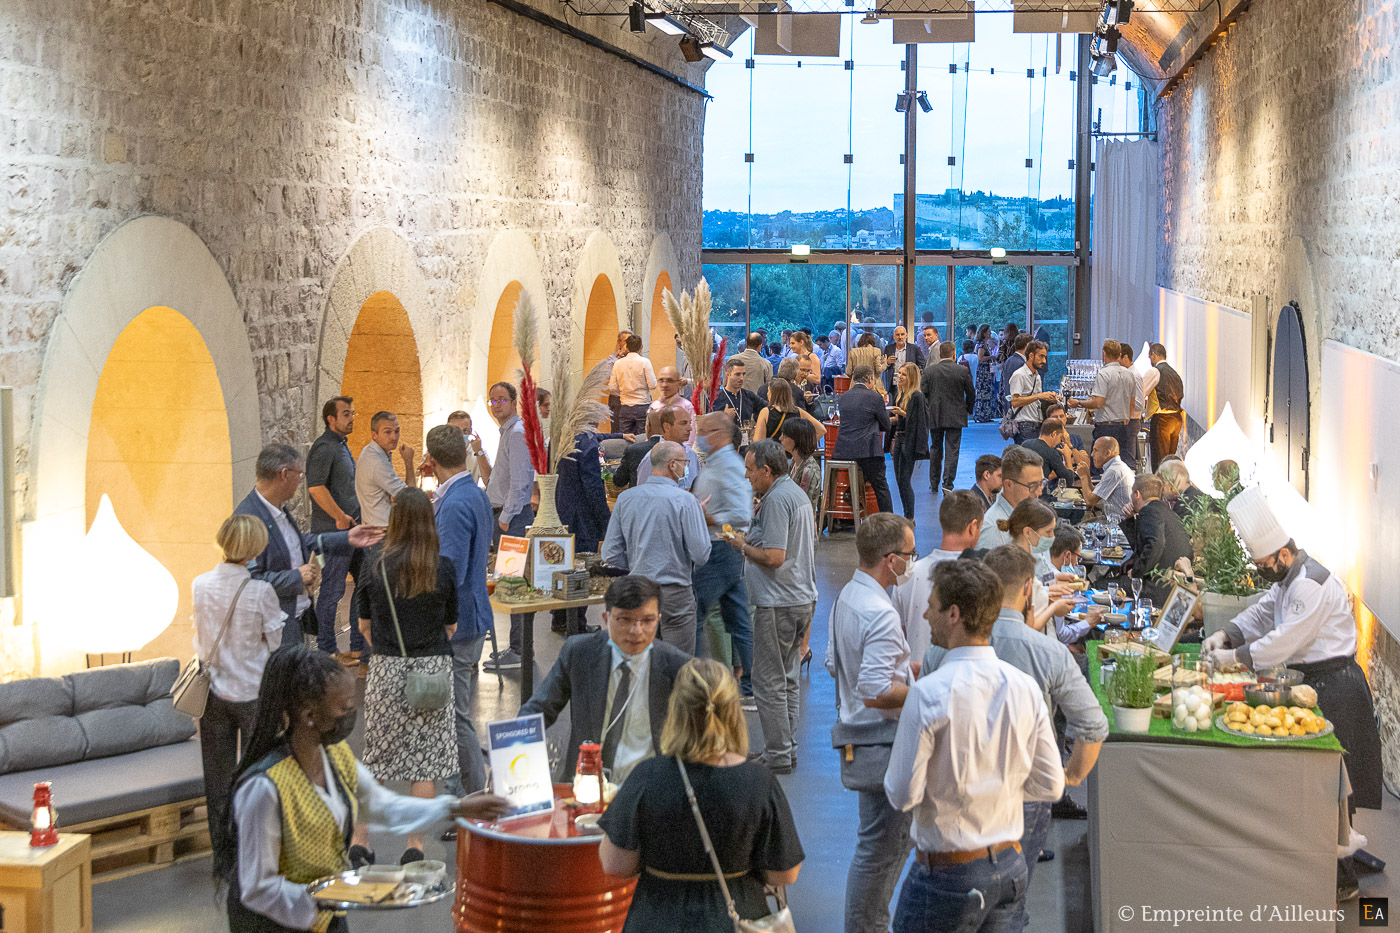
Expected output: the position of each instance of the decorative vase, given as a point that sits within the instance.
(547, 521)
(1217, 609)
(1132, 720)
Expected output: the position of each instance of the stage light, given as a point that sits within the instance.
(1105, 66)
(718, 52)
(636, 17)
(1118, 12)
(666, 24)
(901, 102)
(924, 105)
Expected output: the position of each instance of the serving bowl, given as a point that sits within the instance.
(1268, 694)
(1280, 676)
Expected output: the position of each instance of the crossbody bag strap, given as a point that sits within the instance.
(836, 653)
(223, 629)
(709, 846)
(393, 612)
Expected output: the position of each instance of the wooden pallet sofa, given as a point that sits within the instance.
(125, 766)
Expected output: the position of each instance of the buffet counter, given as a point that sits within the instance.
(1241, 828)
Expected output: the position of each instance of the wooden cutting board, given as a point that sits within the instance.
(362, 893)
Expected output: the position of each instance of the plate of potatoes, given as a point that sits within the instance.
(1273, 723)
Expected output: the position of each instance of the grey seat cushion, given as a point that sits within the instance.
(50, 721)
(94, 790)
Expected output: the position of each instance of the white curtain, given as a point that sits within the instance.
(1126, 228)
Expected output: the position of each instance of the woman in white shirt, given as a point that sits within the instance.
(298, 793)
(236, 664)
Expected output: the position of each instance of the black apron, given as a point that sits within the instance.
(1345, 699)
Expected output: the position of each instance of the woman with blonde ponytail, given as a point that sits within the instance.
(651, 831)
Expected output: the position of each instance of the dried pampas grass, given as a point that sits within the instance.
(691, 319)
(575, 413)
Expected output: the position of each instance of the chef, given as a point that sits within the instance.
(1304, 622)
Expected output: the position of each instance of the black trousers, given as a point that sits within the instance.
(903, 473)
(1344, 697)
(224, 731)
(943, 448)
(872, 470)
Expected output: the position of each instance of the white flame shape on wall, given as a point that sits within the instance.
(123, 596)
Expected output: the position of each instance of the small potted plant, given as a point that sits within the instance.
(1131, 690)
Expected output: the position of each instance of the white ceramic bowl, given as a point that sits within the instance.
(427, 872)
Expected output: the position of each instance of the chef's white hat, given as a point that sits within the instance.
(1257, 523)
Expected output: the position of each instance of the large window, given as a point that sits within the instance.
(991, 295)
(789, 297)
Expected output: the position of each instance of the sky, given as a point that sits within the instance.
(800, 121)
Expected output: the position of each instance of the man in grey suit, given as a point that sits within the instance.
(286, 561)
(616, 682)
(950, 394)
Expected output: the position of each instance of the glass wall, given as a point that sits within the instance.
(991, 295)
(729, 309)
(788, 297)
(931, 299)
(1051, 315)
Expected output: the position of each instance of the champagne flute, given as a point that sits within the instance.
(1136, 583)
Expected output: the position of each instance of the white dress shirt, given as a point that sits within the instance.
(376, 485)
(1115, 488)
(633, 379)
(634, 745)
(912, 597)
(867, 631)
(292, 539)
(991, 535)
(974, 743)
(258, 813)
(246, 645)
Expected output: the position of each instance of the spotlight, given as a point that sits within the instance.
(1105, 66)
(1118, 12)
(870, 19)
(690, 49)
(666, 24)
(637, 17)
(924, 105)
(718, 52)
(901, 102)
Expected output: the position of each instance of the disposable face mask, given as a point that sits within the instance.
(702, 443)
(1042, 546)
(907, 575)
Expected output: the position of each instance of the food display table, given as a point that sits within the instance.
(575, 609)
(1213, 820)
(46, 890)
(536, 875)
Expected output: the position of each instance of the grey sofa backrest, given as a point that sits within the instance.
(48, 721)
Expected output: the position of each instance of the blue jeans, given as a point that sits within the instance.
(1037, 826)
(1027, 431)
(882, 845)
(988, 895)
(721, 580)
(471, 763)
(328, 601)
(518, 525)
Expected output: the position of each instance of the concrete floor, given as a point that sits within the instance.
(182, 898)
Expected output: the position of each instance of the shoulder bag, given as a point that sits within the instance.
(424, 690)
(780, 922)
(864, 748)
(191, 689)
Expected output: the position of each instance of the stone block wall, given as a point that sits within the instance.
(1281, 154)
(280, 130)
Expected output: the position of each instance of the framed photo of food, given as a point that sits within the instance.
(549, 553)
(1176, 612)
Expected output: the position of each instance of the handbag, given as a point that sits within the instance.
(190, 692)
(424, 690)
(779, 922)
(1007, 428)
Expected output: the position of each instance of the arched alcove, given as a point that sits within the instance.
(600, 324)
(146, 263)
(158, 447)
(504, 362)
(663, 332)
(382, 371)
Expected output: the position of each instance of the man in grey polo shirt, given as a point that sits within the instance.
(1050, 664)
(330, 479)
(1111, 400)
(376, 483)
(780, 576)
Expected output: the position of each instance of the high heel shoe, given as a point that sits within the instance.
(806, 662)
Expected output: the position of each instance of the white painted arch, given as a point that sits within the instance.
(146, 262)
(381, 260)
(510, 258)
(598, 257)
(661, 258)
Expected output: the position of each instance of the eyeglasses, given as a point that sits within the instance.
(498, 401)
(1031, 487)
(907, 555)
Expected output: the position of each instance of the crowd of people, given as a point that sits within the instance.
(951, 669)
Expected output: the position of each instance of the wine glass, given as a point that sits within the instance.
(1136, 583)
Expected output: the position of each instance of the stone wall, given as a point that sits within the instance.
(279, 131)
(1280, 153)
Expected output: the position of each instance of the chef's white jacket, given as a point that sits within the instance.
(1305, 618)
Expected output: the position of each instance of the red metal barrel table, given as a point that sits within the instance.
(536, 875)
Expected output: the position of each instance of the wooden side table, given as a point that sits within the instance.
(575, 609)
(45, 890)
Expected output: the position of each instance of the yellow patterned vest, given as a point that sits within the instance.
(313, 845)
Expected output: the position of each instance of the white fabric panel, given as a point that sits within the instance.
(1357, 430)
(1126, 228)
(1209, 345)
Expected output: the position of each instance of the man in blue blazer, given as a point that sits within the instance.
(580, 497)
(464, 524)
(286, 561)
(864, 421)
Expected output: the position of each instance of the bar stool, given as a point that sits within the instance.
(839, 477)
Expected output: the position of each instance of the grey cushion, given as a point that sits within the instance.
(94, 790)
(47, 721)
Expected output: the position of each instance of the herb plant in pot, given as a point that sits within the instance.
(1131, 690)
(1221, 564)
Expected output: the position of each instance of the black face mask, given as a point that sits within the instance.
(341, 730)
(1274, 574)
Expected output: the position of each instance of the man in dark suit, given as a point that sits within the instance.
(899, 352)
(1156, 535)
(950, 394)
(616, 682)
(864, 421)
(286, 561)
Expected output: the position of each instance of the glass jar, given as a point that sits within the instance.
(1193, 704)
